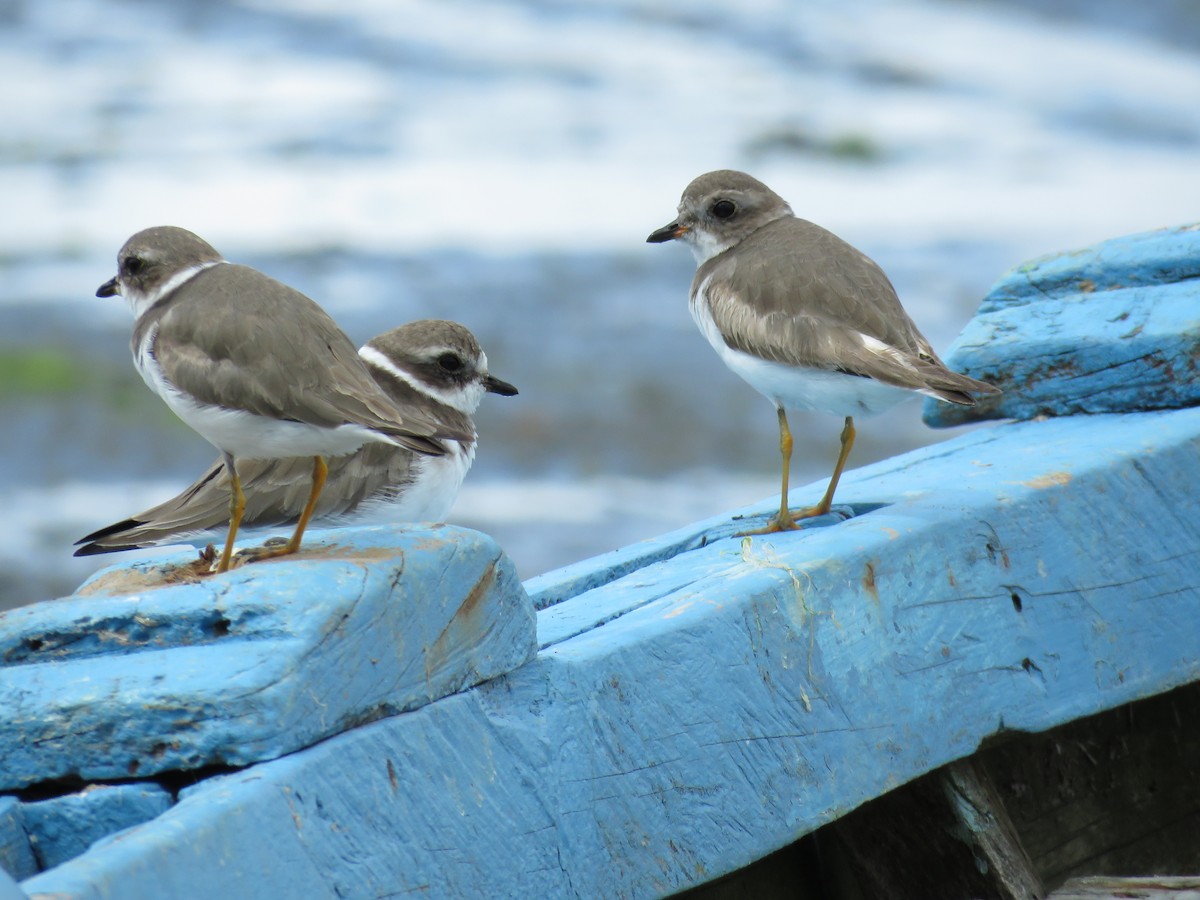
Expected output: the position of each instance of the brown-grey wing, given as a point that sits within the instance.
(797, 294)
(202, 506)
(239, 339)
(277, 490)
(375, 472)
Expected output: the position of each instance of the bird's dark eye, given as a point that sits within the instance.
(450, 362)
(133, 265)
(723, 209)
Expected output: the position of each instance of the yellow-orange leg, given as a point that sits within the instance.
(237, 506)
(320, 471)
(783, 520)
(827, 501)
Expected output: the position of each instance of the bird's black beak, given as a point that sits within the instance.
(667, 233)
(109, 288)
(494, 385)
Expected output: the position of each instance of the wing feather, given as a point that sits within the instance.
(276, 493)
(797, 294)
(227, 367)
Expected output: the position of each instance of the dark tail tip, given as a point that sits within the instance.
(94, 543)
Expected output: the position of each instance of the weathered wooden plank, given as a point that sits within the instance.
(9, 889)
(944, 835)
(1108, 887)
(571, 580)
(1111, 328)
(577, 578)
(16, 853)
(255, 663)
(1115, 793)
(63, 827)
(983, 820)
(1004, 581)
(631, 568)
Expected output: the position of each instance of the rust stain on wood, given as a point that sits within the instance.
(868, 581)
(464, 619)
(133, 581)
(474, 599)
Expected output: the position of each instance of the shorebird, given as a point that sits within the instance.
(807, 320)
(431, 363)
(256, 367)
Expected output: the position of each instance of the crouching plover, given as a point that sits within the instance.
(430, 364)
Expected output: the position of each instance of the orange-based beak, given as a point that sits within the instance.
(667, 233)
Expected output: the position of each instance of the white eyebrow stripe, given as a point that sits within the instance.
(457, 398)
(373, 357)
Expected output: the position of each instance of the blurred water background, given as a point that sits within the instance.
(500, 162)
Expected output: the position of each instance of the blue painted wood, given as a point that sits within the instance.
(743, 695)
(1110, 328)
(577, 578)
(698, 700)
(9, 889)
(16, 853)
(133, 676)
(63, 827)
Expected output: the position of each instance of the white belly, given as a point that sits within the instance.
(429, 497)
(797, 387)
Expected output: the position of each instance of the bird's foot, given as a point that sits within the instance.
(209, 561)
(793, 519)
(270, 550)
(776, 524)
(809, 512)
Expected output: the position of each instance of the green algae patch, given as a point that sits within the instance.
(40, 371)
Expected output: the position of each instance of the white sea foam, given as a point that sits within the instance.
(581, 126)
